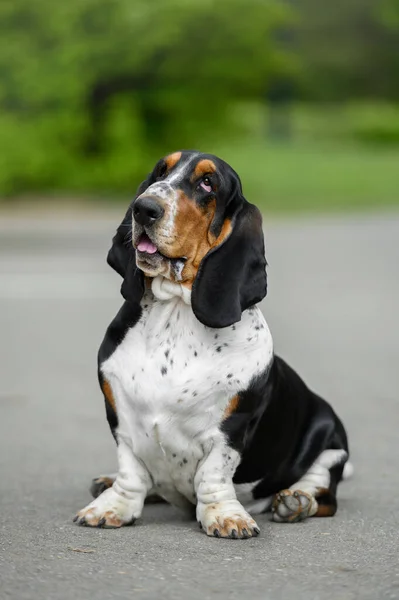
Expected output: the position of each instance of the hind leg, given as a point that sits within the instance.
(314, 495)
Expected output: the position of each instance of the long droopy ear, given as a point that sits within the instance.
(232, 276)
(122, 257)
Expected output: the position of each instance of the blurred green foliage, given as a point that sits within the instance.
(92, 92)
(91, 89)
(349, 49)
(304, 176)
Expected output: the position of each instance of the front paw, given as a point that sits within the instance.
(110, 510)
(226, 520)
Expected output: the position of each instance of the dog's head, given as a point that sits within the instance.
(190, 223)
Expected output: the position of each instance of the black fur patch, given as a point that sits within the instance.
(127, 317)
(280, 427)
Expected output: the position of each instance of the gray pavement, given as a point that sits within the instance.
(333, 310)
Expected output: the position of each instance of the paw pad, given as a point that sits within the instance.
(292, 506)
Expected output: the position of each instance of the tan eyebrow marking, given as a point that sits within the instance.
(172, 160)
(204, 166)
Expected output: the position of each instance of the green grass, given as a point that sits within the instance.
(313, 176)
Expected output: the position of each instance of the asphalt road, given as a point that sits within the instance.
(333, 310)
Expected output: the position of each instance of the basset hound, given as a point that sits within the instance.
(204, 414)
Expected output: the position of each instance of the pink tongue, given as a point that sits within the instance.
(146, 245)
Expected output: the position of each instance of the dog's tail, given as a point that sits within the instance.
(348, 471)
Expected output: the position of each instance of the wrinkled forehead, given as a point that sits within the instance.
(181, 169)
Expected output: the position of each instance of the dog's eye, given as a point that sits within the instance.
(206, 184)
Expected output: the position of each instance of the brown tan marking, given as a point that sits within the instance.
(172, 160)
(100, 484)
(107, 520)
(231, 407)
(107, 391)
(235, 527)
(111, 520)
(326, 511)
(106, 481)
(224, 233)
(203, 167)
(192, 237)
(327, 503)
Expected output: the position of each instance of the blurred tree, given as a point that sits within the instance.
(90, 78)
(92, 90)
(349, 48)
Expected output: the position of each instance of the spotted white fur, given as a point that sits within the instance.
(168, 195)
(172, 379)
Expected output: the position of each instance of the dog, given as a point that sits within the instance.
(204, 414)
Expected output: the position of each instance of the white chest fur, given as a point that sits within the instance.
(172, 379)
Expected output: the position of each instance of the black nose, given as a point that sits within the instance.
(146, 211)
